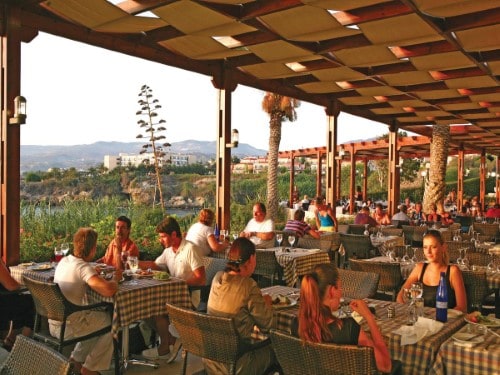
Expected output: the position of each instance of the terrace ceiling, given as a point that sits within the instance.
(412, 63)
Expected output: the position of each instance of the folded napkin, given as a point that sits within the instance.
(423, 327)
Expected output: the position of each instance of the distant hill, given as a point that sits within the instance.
(41, 158)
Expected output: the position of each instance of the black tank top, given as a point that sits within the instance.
(430, 291)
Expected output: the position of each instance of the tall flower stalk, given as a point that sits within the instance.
(153, 130)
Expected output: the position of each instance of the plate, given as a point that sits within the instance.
(41, 267)
(487, 321)
(285, 301)
(161, 275)
(472, 338)
(285, 305)
(143, 275)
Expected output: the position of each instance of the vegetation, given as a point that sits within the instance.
(153, 130)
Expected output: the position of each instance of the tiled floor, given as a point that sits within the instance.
(194, 367)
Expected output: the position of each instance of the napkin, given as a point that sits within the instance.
(423, 327)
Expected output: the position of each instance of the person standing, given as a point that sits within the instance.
(75, 275)
(182, 259)
(121, 245)
(259, 230)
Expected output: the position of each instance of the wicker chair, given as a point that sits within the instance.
(29, 357)
(356, 229)
(390, 274)
(414, 235)
(267, 265)
(419, 254)
(50, 303)
(447, 235)
(211, 337)
(476, 288)
(464, 221)
(357, 246)
(297, 357)
(358, 284)
(393, 244)
(490, 231)
(454, 248)
(392, 231)
(478, 259)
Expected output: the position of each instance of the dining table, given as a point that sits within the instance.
(136, 299)
(297, 262)
(474, 355)
(417, 358)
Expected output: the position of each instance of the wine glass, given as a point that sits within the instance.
(279, 238)
(133, 264)
(124, 256)
(456, 236)
(406, 257)
(65, 248)
(366, 232)
(291, 240)
(417, 290)
(58, 254)
(235, 236)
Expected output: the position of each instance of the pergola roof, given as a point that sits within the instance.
(410, 63)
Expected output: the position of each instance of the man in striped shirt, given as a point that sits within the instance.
(299, 226)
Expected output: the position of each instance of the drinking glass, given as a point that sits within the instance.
(65, 248)
(235, 236)
(58, 254)
(133, 264)
(366, 232)
(406, 257)
(456, 236)
(124, 256)
(279, 238)
(291, 240)
(222, 235)
(417, 290)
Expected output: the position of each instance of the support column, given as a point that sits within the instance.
(223, 158)
(460, 179)
(10, 49)
(365, 179)
(339, 179)
(352, 181)
(292, 180)
(332, 111)
(393, 175)
(497, 181)
(319, 173)
(482, 179)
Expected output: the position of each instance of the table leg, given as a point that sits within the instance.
(497, 303)
(125, 354)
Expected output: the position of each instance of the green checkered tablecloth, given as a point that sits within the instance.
(481, 358)
(299, 262)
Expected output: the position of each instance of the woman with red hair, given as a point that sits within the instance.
(320, 295)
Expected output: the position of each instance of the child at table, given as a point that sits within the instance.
(320, 295)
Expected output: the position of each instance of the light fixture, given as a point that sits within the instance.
(423, 174)
(19, 117)
(341, 153)
(466, 172)
(235, 139)
(491, 174)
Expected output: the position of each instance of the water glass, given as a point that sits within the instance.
(222, 235)
(279, 238)
(65, 248)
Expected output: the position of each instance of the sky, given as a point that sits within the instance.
(80, 94)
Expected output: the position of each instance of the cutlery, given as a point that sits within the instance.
(490, 330)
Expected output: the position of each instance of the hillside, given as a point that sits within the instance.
(41, 158)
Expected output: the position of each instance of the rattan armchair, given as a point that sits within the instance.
(297, 357)
(390, 274)
(358, 284)
(50, 303)
(29, 357)
(356, 229)
(454, 248)
(388, 231)
(356, 246)
(267, 265)
(210, 337)
(414, 235)
(478, 259)
(476, 288)
(490, 231)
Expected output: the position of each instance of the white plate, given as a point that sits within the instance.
(492, 321)
(41, 267)
(472, 338)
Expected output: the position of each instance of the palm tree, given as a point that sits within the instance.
(436, 185)
(280, 108)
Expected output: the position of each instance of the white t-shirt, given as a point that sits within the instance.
(265, 226)
(182, 263)
(198, 234)
(72, 274)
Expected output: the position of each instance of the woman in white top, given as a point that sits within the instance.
(202, 234)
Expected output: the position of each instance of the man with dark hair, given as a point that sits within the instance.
(122, 246)
(181, 258)
(299, 226)
(363, 217)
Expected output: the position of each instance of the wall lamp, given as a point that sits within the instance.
(19, 117)
(235, 139)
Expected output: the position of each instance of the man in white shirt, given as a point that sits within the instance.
(260, 230)
(181, 258)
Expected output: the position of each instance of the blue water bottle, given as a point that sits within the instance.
(442, 299)
(216, 232)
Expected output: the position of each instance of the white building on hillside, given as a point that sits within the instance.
(123, 159)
